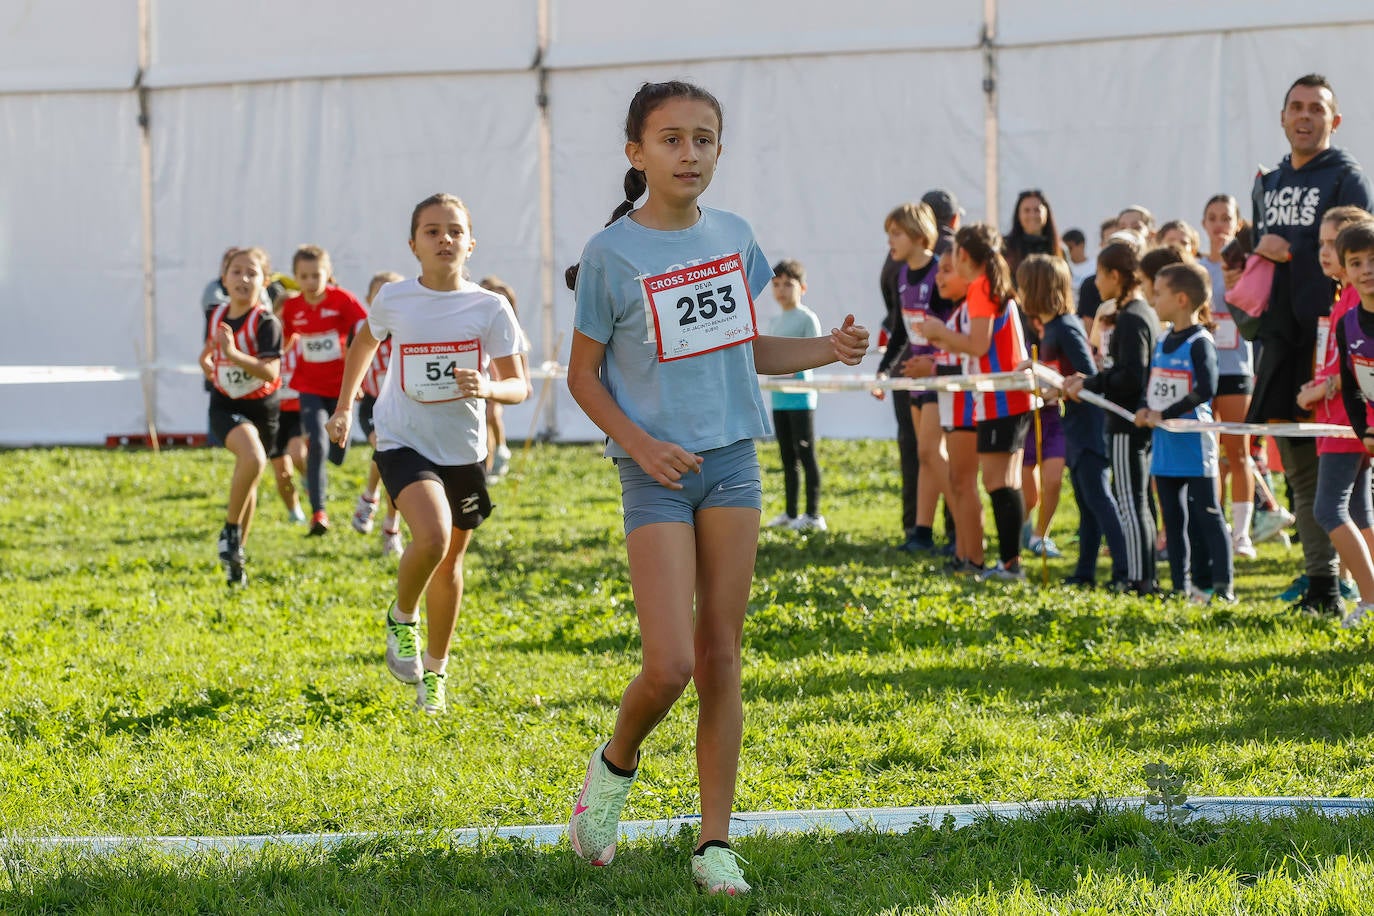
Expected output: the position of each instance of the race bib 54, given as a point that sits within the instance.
(429, 370)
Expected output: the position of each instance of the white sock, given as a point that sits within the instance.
(401, 616)
(390, 525)
(1242, 513)
(437, 665)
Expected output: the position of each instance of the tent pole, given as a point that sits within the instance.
(547, 271)
(145, 157)
(990, 124)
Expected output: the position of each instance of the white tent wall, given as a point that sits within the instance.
(818, 149)
(1100, 125)
(585, 33)
(339, 163)
(1164, 121)
(42, 46)
(197, 43)
(71, 275)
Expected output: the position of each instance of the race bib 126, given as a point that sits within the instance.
(701, 308)
(429, 370)
(236, 381)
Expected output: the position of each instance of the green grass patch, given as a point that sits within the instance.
(143, 697)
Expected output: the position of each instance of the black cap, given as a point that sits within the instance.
(943, 204)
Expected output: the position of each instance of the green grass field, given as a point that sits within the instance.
(143, 697)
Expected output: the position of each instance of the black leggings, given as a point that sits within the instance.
(908, 456)
(796, 431)
(1189, 506)
(1131, 487)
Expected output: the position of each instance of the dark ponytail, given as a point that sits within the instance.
(649, 97)
(983, 245)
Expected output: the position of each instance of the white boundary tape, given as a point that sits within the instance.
(1028, 380)
(847, 820)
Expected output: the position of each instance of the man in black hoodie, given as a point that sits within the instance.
(1288, 204)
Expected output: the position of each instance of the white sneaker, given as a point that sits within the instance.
(782, 520)
(500, 462)
(1241, 546)
(363, 514)
(1270, 523)
(809, 523)
(403, 650)
(1198, 595)
(391, 542)
(296, 516)
(1358, 616)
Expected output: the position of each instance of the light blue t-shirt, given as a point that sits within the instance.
(797, 322)
(701, 402)
(1234, 353)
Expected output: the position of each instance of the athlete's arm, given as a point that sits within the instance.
(265, 368)
(975, 343)
(786, 355)
(506, 385)
(665, 462)
(360, 353)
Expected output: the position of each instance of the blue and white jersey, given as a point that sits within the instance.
(699, 402)
(1172, 377)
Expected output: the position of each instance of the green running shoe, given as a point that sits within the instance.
(429, 694)
(403, 650)
(716, 871)
(595, 825)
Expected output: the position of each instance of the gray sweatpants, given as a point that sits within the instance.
(1300, 467)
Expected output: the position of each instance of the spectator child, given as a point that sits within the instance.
(1183, 378)
(794, 412)
(1343, 478)
(996, 339)
(959, 414)
(912, 233)
(1122, 381)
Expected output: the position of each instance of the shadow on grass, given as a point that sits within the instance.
(211, 703)
(1276, 696)
(1061, 855)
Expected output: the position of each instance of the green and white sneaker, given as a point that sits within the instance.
(429, 694)
(403, 650)
(716, 871)
(595, 825)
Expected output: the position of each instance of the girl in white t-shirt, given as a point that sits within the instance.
(454, 345)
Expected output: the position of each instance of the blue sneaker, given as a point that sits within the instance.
(1044, 547)
(1295, 590)
(1349, 590)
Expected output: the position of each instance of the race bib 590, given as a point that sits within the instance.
(321, 348)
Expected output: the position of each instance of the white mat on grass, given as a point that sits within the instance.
(883, 820)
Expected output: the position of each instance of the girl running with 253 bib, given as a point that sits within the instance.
(665, 360)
